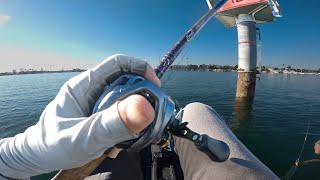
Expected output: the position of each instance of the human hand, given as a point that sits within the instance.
(67, 135)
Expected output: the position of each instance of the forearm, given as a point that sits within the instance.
(49, 146)
(23, 155)
(14, 162)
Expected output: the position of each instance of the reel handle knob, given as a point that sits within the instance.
(217, 150)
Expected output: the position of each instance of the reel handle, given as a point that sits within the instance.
(216, 150)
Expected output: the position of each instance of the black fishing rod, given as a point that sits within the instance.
(168, 120)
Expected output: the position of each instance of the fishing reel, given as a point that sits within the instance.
(168, 118)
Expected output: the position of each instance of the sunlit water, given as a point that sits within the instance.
(273, 128)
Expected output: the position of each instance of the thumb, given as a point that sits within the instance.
(136, 113)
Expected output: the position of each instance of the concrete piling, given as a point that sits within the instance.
(247, 57)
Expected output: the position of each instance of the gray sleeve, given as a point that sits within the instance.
(242, 164)
(56, 143)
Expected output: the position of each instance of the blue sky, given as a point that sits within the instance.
(69, 33)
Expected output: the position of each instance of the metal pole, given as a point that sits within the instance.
(259, 47)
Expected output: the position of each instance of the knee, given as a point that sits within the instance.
(196, 110)
(197, 105)
(202, 117)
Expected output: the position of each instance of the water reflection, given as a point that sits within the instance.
(241, 114)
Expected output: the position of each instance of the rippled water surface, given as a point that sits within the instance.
(273, 128)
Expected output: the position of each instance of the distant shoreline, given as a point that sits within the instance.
(228, 68)
(188, 68)
(40, 72)
(258, 72)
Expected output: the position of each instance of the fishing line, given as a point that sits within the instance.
(294, 168)
(306, 137)
(305, 140)
(180, 61)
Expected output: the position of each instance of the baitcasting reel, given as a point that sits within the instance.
(168, 118)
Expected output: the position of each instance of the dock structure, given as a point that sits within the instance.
(245, 15)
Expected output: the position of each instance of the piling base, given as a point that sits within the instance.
(246, 85)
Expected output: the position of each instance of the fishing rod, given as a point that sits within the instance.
(168, 120)
(171, 56)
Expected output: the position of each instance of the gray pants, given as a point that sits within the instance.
(242, 164)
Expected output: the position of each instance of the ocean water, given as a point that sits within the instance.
(273, 127)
